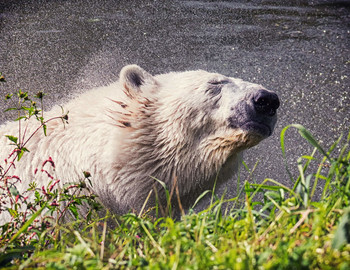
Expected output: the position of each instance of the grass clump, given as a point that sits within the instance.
(288, 229)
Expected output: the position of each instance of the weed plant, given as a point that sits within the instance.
(288, 229)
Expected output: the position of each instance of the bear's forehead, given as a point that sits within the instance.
(192, 77)
(199, 81)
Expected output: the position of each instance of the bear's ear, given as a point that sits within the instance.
(136, 80)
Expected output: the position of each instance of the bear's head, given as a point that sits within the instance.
(191, 125)
(202, 106)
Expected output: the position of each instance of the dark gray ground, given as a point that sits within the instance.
(300, 49)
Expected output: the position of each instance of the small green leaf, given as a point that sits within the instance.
(14, 191)
(37, 195)
(12, 138)
(12, 212)
(26, 108)
(20, 118)
(44, 129)
(73, 209)
(21, 153)
(11, 109)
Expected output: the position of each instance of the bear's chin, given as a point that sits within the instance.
(258, 129)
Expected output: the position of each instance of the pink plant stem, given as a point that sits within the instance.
(21, 146)
(70, 202)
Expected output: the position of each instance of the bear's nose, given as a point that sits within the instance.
(266, 102)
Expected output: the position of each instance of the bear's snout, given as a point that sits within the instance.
(256, 113)
(266, 102)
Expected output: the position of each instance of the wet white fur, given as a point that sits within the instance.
(175, 130)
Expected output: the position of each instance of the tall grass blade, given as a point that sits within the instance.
(342, 235)
(200, 197)
(282, 136)
(308, 136)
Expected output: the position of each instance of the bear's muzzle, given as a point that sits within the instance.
(256, 113)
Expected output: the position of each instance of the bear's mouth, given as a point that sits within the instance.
(261, 129)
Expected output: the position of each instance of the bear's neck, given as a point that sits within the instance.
(195, 163)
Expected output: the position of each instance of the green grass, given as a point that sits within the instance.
(288, 229)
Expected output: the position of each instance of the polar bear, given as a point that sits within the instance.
(187, 129)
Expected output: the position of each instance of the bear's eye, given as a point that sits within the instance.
(219, 82)
(215, 87)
